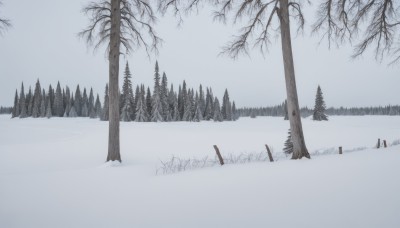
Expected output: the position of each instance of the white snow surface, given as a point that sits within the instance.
(53, 174)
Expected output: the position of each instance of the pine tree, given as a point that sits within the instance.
(183, 100)
(217, 111)
(84, 104)
(92, 110)
(170, 101)
(15, 111)
(137, 96)
(58, 105)
(198, 116)
(319, 108)
(72, 112)
(98, 107)
(147, 102)
(209, 107)
(180, 100)
(52, 96)
(48, 109)
(288, 146)
(43, 105)
(22, 103)
(235, 115)
(85, 110)
(188, 115)
(156, 106)
(67, 101)
(202, 101)
(29, 99)
(78, 101)
(105, 114)
(164, 97)
(176, 115)
(226, 107)
(127, 100)
(141, 114)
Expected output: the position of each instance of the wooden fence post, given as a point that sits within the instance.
(271, 159)
(340, 150)
(221, 160)
(384, 143)
(379, 144)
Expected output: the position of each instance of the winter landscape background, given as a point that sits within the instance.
(182, 136)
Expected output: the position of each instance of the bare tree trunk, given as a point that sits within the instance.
(299, 145)
(113, 134)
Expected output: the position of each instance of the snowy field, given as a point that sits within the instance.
(52, 174)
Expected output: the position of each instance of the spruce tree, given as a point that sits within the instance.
(217, 111)
(67, 106)
(85, 110)
(72, 112)
(188, 114)
(288, 146)
(52, 96)
(127, 99)
(147, 102)
(48, 109)
(43, 105)
(176, 115)
(156, 106)
(202, 101)
(235, 115)
(226, 107)
(58, 105)
(319, 108)
(183, 100)
(105, 114)
(29, 99)
(92, 111)
(209, 107)
(141, 114)
(85, 104)
(137, 96)
(78, 101)
(170, 101)
(22, 103)
(97, 107)
(164, 97)
(198, 116)
(179, 101)
(15, 111)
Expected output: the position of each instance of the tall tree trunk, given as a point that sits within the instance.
(113, 134)
(299, 145)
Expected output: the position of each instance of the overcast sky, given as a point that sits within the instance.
(43, 44)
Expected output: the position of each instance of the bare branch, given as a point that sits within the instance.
(137, 20)
(4, 23)
(342, 20)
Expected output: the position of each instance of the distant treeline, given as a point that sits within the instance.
(5, 110)
(279, 110)
(161, 105)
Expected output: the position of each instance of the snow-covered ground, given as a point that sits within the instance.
(52, 174)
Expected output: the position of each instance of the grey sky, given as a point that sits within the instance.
(43, 44)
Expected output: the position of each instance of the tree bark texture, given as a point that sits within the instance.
(114, 52)
(299, 145)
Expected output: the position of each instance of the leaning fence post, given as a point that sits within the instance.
(271, 159)
(384, 143)
(221, 160)
(379, 144)
(340, 150)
